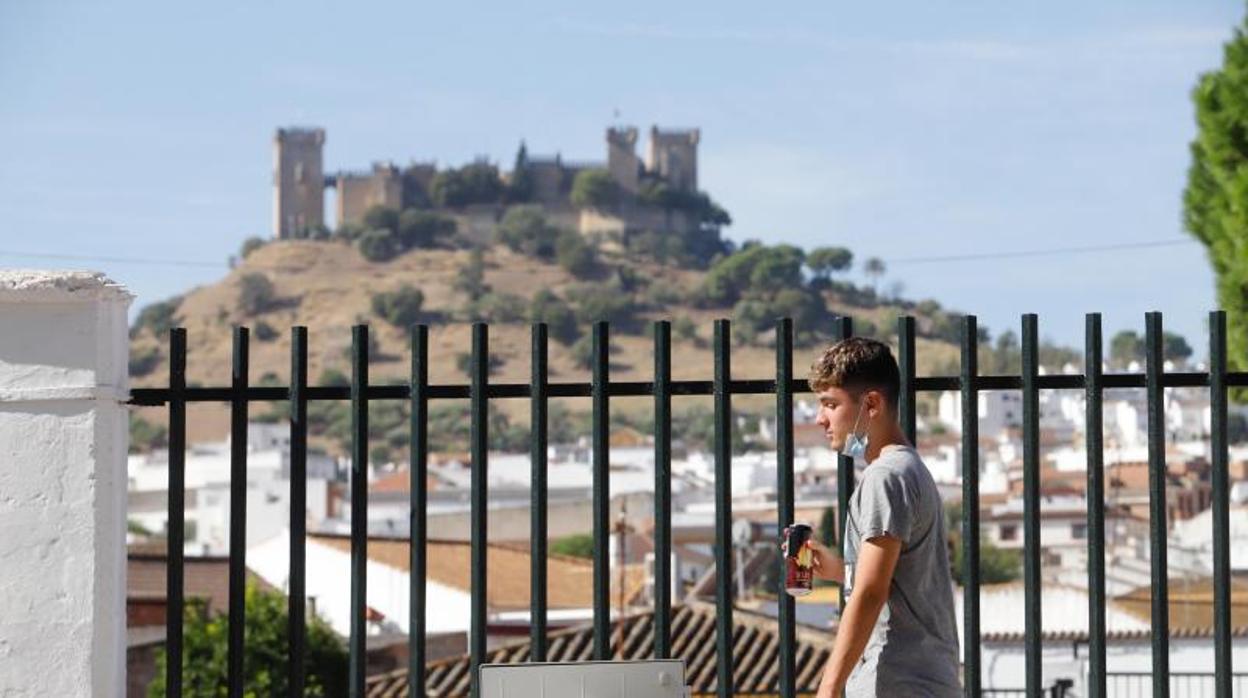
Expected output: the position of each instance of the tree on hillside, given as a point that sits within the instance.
(874, 268)
(1216, 199)
(265, 648)
(381, 218)
(520, 186)
(524, 229)
(594, 189)
(471, 278)
(824, 261)
(255, 293)
(423, 229)
(477, 183)
(401, 307)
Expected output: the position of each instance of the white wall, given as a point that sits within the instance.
(63, 438)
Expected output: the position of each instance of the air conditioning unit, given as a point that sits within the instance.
(662, 678)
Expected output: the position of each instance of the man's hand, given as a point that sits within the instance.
(828, 565)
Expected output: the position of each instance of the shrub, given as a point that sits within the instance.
(401, 308)
(144, 361)
(560, 319)
(378, 245)
(158, 318)
(574, 254)
(265, 332)
(255, 293)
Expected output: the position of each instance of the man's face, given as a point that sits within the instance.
(838, 409)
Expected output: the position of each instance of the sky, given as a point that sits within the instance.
(914, 132)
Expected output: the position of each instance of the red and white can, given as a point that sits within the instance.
(799, 560)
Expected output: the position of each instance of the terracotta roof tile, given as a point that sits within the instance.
(755, 653)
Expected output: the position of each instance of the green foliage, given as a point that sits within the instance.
(699, 204)
(1217, 187)
(696, 428)
(332, 377)
(471, 278)
(143, 361)
(500, 307)
(401, 308)
(265, 332)
(1127, 346)
(266, 645)
(996, 565)
(595, 189)
(423, 229)
(575, 255)
(381, 218)
(250, 245)
(145, 436)
(684, 329)
(827, 527)
(478, 183)
(575, 545)
(597, 302)
(823, 261)
(255, 294)
(757, 269)
(524, 229)
(158, 318)
(378, 245)
(551, 309)
(520, 186)
(463, 361)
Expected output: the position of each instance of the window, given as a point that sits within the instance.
(1008, 532)
(1079, 531)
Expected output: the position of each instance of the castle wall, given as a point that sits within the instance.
(622, 162)
(298, 181)
(359, 192)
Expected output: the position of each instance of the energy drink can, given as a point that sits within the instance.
(799, 560)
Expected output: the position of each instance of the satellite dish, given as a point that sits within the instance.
(742, 532)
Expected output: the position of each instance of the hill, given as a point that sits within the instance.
(328, 286)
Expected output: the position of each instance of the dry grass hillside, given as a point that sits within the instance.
(328, 287)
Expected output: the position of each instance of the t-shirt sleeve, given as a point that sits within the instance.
(886, 506)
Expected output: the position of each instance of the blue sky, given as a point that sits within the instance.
(900, 130)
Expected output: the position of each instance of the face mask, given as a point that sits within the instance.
(855, 445)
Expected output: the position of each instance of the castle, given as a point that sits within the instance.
(299, 183)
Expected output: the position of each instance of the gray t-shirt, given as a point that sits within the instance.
(913, 650)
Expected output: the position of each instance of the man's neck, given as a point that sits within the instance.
(892, 437)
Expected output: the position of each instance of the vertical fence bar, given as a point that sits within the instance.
(177, 513)
(296, 618)
(418, 486)
(537, 505)
(1031, 504)
(479, 446)
(844, 329)
(905, 361)
(970, 506)
(784, 501)
(1158, 528)
(723, 508)
(357, 660)
(662, 489)
(1221, 502)
(238, 510)
(600, 438)
(1094, 431)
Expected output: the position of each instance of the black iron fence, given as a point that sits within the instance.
(418, 392)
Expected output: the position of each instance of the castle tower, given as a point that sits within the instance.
(673, 156)
(622, 160)
(298, 181)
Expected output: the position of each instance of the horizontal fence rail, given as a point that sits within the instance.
(480, 391)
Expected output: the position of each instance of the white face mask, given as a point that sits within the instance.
(855, 445)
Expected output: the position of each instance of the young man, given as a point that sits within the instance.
(897, 635)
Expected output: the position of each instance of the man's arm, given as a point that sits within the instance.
(874, 573)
